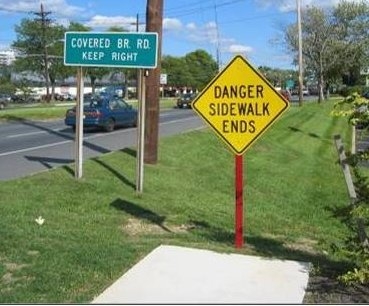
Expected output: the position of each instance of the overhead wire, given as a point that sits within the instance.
(188, 9)
(181, 10)
(197, 7)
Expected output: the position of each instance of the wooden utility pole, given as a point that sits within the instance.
(154, 23)
(45, 22)
(299, 30)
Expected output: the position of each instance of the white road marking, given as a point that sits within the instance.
(72, 140)
(32, 133)
(35, 148)
(178, 120)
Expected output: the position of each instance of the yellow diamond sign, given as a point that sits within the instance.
(239, 104)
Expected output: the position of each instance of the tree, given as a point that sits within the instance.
(356, 246)
(67, 71)
(55, 55)
(194, 70)
(202, 68)
(30, 46)
(352, 20)
(278, 77)
(177, 70)
(335, 41)
(318, 35)
(6, 86)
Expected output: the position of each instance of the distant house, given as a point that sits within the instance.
(7, 57)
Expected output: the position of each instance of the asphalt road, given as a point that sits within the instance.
(30, 146)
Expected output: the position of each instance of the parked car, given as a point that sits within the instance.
(23, 98)
(67, 97)
(185, 100)
(104, 112)
(305, 92)
(4, 100)
(50, 97)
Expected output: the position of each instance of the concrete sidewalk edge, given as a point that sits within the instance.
(172, 274)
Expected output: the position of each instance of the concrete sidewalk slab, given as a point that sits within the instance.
(178, 275)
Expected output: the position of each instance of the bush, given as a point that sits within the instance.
(7, 88)
(356, 248)
(350, 90)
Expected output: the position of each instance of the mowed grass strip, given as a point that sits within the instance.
(45, 111)
(96, 228)
(33, 112)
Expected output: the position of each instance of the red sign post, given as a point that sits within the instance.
(239, 104)
(239, 201)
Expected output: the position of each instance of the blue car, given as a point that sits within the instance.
(104, 112)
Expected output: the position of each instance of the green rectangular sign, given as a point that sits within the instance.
(111, 49)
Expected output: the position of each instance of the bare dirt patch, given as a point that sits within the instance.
(304, 245)
(11, 278)
(135, 226)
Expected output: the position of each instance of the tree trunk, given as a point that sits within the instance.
(93, 86)
(328, 93)
(125, 85)
(321, 81)
(320, 92)
(52, 83)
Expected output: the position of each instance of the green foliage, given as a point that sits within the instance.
(202, 68)
(335, 42)
(278, 77)
(5, 74)
(33, 40)
(178, 72)
(346, 91)
(357, 275)
(357, 253)
(66, 71)
(195, 69)
(355, 108)
(357, 216)
(354, 248)
(31, 44)
(7, 88)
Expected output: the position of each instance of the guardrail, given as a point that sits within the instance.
(363, 237)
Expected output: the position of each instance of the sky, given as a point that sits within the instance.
(225, 28)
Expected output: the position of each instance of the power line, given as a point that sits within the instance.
(180, 7)
(197, 7)
(251, 18)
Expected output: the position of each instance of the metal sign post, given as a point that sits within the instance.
(111, 49)
(79, 125)
(140, 132)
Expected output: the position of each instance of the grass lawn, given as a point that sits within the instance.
(33, 112)
(95, 229)
(44, 111)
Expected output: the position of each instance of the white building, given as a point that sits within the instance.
(7, 57)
